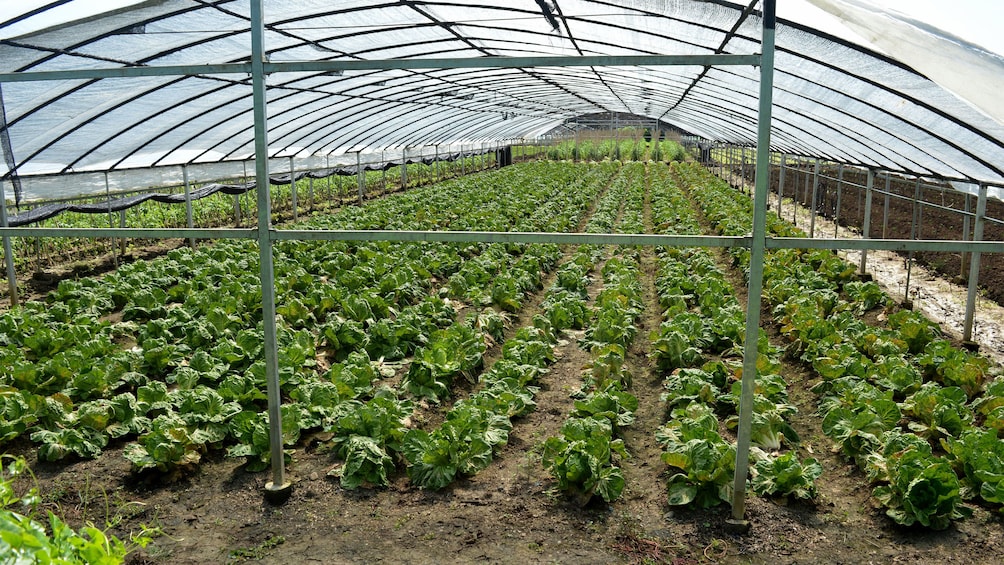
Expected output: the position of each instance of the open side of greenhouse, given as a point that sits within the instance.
(168, 93)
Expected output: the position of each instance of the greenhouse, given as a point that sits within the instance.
(661, 281)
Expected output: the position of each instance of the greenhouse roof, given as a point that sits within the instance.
(855, 81)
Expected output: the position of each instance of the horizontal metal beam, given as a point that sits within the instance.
(514, 237)
(123, 72)
(885, 244)
(384, 64)
(515, 62)
(140, 233)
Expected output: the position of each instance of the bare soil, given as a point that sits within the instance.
(510, 512)
(932, 223)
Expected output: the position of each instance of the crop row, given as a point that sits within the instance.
(170, 352)
(914, 412)
(699, 346)
(583, 457)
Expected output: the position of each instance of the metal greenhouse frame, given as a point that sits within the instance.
(716, 118)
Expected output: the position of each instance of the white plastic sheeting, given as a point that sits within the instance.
(833, 97)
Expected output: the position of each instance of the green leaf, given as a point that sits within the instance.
(366, 461)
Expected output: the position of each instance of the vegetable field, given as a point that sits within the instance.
(503, 402)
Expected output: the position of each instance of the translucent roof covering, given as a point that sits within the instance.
(856, 81)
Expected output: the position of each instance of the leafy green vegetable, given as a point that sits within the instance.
(922, 489)
(978, 457)
(672, 349)
(169, 447)
(456, 351)
(684, 386)
(785, 475)
(83, 442)
(704, 470)
(381, 418)
(857, 433)
(866, 295)
(581, 459)
(250, 431)
(615, 405)
(954, 367)
(916, 330)
(941, 411)
(366, 461)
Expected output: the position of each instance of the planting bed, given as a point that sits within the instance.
(439, 393)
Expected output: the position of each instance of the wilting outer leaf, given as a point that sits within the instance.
(365, 461)
(786, 476)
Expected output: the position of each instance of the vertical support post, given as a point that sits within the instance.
(189, 221)
(758, 244)
(122, 224)
(404, 168)
(575, 155)
(237, 197)
(742, 169)
(815, 199)
(8, 254)
(362, 176)
(794, 192)
(974, 266)
(920, 209)
(866, 231)
(733, 160)
(780, 185)
(965, 236)
(292, 188)
(435, 166)
(806, 199)
(278, 489)
(617, 139)
(111, 222)
(885, 205)
(858, 213)
(310, 194)
(840, 188)
(328, 175)
(907, 303)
